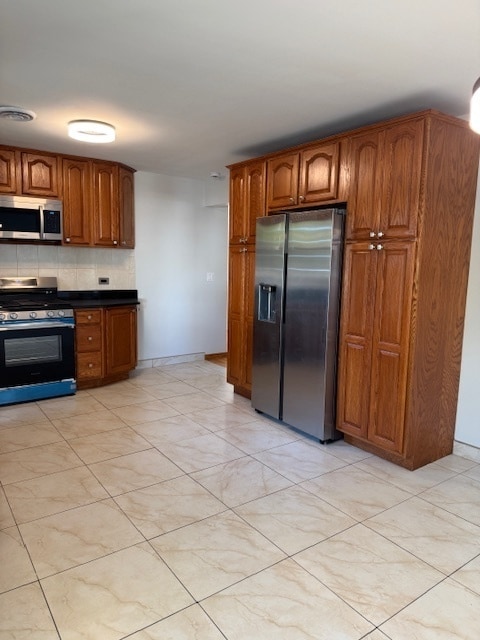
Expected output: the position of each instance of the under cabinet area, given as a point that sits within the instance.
(106, 344)
(97, 196)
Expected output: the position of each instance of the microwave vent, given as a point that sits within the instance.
(17, 114)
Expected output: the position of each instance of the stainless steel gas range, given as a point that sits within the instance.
(37, 341)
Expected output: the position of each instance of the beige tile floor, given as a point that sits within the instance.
(164, 507)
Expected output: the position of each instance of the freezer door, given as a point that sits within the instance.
(311, 320)
(267, 323)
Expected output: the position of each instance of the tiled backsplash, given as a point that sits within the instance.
(75, 268)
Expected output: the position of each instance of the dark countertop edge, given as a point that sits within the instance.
(96, 298)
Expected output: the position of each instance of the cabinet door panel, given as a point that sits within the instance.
(282, 181)
(105, 180)
(126, 208)
(254, 197)
(319, 173)
(402, 174)
(40, 174)
(237, 205)
(390, 344)
(364, 196)
(355, 350)
(9, 171)
(77, 201)
(121, 339)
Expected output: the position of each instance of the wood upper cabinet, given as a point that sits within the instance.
(77, 201)
(10, 178)
(126, 208)
(247, 201)
(121, 340)
(41, 174)
(305, 177)
(105, 204)
(374, 342)
(385, 178)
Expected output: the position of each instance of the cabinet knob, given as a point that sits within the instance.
(243, 240)
(372, 234)
(371, 246)
(379, 247)
(124, 242)
(90, 365)
(90, 338)
(67, 239)
(115, 242)
(292, 200)
(244, 250)
(380, 234)
(301, 198)
(89, 317)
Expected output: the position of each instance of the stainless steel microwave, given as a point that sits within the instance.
(24, 218)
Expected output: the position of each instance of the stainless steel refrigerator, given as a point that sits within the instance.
(297, 291)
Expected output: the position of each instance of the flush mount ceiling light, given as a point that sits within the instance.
(475, 107)
(91, 131)
(17, 114)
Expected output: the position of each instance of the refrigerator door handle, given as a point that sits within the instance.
(267, 294)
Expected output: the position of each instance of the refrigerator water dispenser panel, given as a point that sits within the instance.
(267, 297)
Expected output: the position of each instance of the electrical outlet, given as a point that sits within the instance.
(103, 280)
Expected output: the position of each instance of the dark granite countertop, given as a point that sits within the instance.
(97, 298)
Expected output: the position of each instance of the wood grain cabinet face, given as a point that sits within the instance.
(89, 345)
(240, 316)
(10, 178)
(386, 171)
(247, 201)
(105, 205)
(303, 178)
(77, 201)
(126, 208)
(41, 175)
(121, 339)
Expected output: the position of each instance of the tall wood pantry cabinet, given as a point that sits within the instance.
(409, 194)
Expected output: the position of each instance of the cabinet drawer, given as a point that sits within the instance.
(88, 316)
(89, 338)
(89, 365)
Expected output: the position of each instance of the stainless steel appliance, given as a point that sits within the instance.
(29, 218)
(37, 341)
(297, 289)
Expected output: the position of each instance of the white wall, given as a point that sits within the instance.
(179, 241)
(468, 411)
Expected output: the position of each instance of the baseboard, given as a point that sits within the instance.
(214, 356)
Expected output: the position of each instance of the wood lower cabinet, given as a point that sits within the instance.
(106, 344)
(120, 340)
(374, 342)
(303, 178)
(240, 318)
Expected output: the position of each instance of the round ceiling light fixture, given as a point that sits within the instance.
(91, 131)
(17, 114)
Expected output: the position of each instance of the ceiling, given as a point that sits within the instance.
(193, 85)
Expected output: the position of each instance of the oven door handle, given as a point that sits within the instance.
(36, 325)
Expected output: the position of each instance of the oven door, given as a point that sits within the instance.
(35, 352)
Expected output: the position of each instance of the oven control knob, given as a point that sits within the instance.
(33, 314)
(50, 314)
(13, 316)
(61, 313)
(3, 316)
